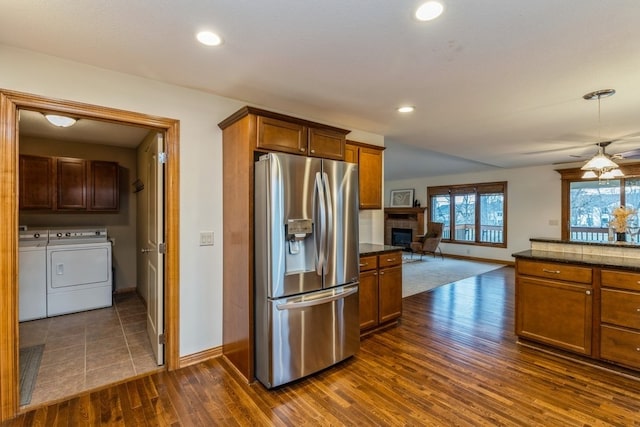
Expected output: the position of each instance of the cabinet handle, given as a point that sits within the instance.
(302, 150)
(364, 264)
(382, 273)
(313, 151)
(551, 271)
(637, 309)
(390, 259)
(588, 292)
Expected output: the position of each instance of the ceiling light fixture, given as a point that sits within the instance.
(406, 109)
(429, 11)
(60, 121)
(601, 166)
(208, 38)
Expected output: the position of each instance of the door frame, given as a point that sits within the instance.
(10, 104)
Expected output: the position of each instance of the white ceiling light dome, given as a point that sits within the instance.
(60, 121)
(429, 11)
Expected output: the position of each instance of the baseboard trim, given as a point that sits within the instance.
(125, 290)
(201, 356)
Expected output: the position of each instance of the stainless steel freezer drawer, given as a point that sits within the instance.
(301, 335)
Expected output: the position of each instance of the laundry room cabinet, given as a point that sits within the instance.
(68, 184)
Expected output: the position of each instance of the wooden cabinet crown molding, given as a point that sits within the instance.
(245, 111)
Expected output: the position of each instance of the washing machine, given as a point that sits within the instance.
(32, 274)
(78, 270)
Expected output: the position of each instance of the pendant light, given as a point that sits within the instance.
(601, 166)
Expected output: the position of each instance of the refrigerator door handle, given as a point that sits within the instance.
(320, 229)
(318, 301)
(328, 229)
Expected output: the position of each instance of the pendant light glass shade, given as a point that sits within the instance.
(598, 162)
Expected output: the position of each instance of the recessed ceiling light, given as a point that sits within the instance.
(429, 10)
(60, 121)
(208, 38)
(406, 109)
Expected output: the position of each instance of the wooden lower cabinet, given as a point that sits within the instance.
(380, 290)
(620, 318)
(555, 313)
(590, 311)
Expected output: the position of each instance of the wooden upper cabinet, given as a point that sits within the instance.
(369, 160)
(104, 186)
(68, 184)
(279, 132)
(326, 143)
(350, 153)
(71, 184)
(36, 182)
(280, 135)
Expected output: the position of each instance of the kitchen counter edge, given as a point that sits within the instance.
(632, 264)
(368, 249)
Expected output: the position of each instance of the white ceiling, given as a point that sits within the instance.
(493, 82)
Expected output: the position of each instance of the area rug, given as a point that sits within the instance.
(421, 276)
(30, 358)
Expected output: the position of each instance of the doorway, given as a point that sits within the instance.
(10, 104)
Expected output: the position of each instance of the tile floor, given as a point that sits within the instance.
(89, 349)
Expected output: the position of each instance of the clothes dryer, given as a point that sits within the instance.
(79, 275)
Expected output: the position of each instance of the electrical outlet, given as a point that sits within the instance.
(206, 238)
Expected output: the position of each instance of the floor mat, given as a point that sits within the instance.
(30, 358)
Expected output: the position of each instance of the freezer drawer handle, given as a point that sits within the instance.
(319, 301)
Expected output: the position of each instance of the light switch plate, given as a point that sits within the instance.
(206, 238)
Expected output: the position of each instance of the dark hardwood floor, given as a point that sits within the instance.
(453, 360)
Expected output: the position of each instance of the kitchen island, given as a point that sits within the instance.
(581, 297)
(380, 286)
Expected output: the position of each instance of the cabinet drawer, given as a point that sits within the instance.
(621, 308)
(368, 263)
(555, 271)
(390, 259)
(620, 345)
(621, 279)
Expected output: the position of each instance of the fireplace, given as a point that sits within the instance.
(406, 219)
(401, 237)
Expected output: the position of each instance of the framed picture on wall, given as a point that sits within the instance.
(402, 198)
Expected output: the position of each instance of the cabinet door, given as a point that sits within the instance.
(370, 169)
(326, 143)
(103, 185)
(71, 183)
(390, 293)
(555, 313)
(36, 182)
(368, 299)
(278, 135)
(350, 153)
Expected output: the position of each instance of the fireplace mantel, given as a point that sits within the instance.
(412, 218)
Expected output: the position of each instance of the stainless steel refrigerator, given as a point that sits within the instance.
(306, 266)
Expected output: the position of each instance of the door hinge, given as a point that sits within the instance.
(162, 248)
(162, 157)
(161, 339)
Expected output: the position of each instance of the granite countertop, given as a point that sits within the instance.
(584, 259)
(377, 249)
(584, 242)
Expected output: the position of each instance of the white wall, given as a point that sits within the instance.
(200, 166)
(533, 201)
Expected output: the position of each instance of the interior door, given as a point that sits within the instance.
(151, 230)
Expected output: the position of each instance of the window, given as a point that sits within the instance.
(471, 213)
(587, 204)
